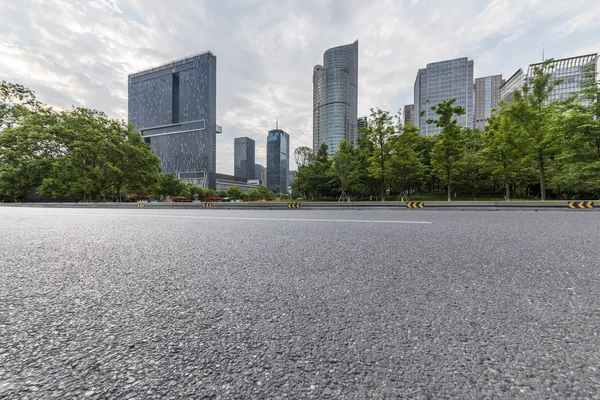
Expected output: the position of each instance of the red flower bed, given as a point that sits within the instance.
(138, 197)
(213, 198)
(179, 198)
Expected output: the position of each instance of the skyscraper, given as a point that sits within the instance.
(278, 160)
(174, 107)
(487, 97)
(409, 110)
(570, 71)
(513, 83)
(441, 81)
(335, 97)
(243, 157)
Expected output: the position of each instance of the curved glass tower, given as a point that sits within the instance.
(335, 97)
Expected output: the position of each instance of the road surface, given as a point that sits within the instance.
(298, 304)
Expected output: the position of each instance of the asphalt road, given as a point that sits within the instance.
(299, 304)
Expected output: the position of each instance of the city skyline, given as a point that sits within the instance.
(85, 62)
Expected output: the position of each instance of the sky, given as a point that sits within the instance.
(79, 53)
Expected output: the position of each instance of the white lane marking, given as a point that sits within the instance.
(229, 218)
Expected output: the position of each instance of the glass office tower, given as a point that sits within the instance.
(243, 157)
(174, 107)
(335, 97)
(441, 81)
(487, 97)
(278, 160)
(570, 70)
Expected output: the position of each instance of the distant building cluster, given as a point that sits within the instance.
(174, 108)
(453, 79)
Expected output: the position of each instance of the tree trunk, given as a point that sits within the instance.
(507, 185)
(449, 193)
(542, 177)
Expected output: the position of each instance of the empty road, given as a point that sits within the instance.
(226, 304)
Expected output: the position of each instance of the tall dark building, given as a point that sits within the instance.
(278, 160)
(243, 157)
(174, 107)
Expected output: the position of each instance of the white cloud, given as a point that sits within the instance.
(80, 52)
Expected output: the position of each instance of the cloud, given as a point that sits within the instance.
(80, 52)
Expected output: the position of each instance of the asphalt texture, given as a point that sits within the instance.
(159, 304)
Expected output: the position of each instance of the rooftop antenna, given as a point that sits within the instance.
(276, 122)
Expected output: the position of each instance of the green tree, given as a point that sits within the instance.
(235, 192)
(538, 120)
(447, 157)
(169, 185)
(500, 157)
(15, 103)
(380, 132)
(578, 171)
(264, 191)
(252, 192)
(405, 161)
(346, 170)
(100, 157)
(474, 177)
(27, 152)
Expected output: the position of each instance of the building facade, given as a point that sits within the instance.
(570, 71)
(361, 124)
(260, 173)
(408, 114)
(174, 107)
(441, 81)
(335, 97)
(487, 97)
(515, 82)
(243, 157)
(224, 182)
(278, 160)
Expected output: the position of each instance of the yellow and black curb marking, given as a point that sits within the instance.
(141, 205)
(206, 205)
(414, 204)
(581, 204)
(294, 205)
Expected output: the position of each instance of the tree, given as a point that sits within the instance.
(474, 177)
(314, 180)
(27, 151)
(15, 101)
(500, 157)
(303, 156)
(346, 170)
(99, 157)
(405, 161)
(380, 132)
(252, 192)
(578, 170)
(235, 192)
(447, 157)
(169, 185)
(264, 191)
(538, 119)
